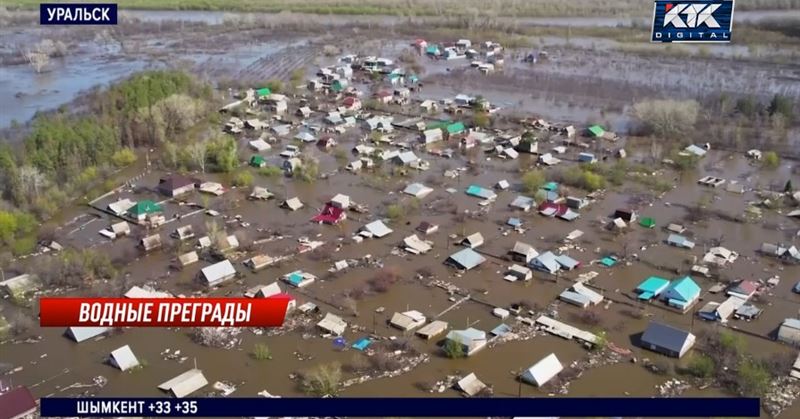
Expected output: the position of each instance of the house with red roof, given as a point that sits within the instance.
(330, 215)
(17, 404)
(352, 103)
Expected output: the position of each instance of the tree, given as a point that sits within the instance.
(453, 349)
(198, 152)
(771, 160)
(223, 152)
(324, 380)
(123, 157)
(533, 180)
(701, 366)
(753, 378)
(395, 211)
(481, 119)
(31, 181)
(788, 188)
(667, 118)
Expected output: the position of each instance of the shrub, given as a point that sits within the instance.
(243, 178)
(124, 157)
(771, 160)
(701, 366)
(261, 352)
(323, 380)
(667, 118)
(270, 171)
(395, 211)
(752, 378)
(533, 180)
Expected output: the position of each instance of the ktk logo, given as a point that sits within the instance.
(696, 14)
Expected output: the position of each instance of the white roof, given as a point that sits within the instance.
(333, 323)
(593, 295)
(81, 334)
(415, 243)
(293, 203)
(264, 290)
(378, 229)
(408, 320)
(121, 206)
(260, 145)
(417, 190)
(218, 271)
(543, 371)
(185, 384)
(471, 385)
(146, 292)
(123, 358)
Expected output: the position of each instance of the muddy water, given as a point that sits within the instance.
(494, 365)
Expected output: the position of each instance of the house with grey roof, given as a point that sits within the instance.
(667, 340)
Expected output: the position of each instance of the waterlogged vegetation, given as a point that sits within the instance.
(69, 156)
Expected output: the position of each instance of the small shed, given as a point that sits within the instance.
(471, 385)
(473, 240)
(123, 358)
(292, 204)
(81, 334)
(789, 332)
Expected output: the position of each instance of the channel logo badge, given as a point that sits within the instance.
(698, 21)
(77, 14)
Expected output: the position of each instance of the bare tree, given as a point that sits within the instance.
(198, 152)
(32, 181)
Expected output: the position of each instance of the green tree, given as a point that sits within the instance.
(395, 211)
(788, 188)
(753, 378)
(481, 119)
(123, 157)
(771, 160)
(701, 366)
(533, 180)
(223, 153)
(453, 349)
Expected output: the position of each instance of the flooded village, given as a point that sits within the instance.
(452, 212)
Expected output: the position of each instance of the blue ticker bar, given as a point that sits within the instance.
(409, 407)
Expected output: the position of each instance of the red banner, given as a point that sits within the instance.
(164, 312)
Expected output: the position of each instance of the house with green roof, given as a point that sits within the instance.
(596, 131)
(257, 161)
(550, 186)
(651, 288)
(339, 85)
(456, 128)
(682, 293)
(437, 124)
(142, 209)
(263, 92)
(647, 222)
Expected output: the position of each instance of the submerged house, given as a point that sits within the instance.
(680, 241)
(473, 240)
(407, 320)
(481, 192)
(472, 340)
(217, 273)
(789, 332)
(546, 262)
(332, 324)
(667, 340)
(651, 288)
(299, 279)
(682, 293)
(18, 404)
(80, 334)
(175, 185)
(543, 371)
(185, 384)
(375, 229)
(331, 214)
(523, 252)
(743, 289)
(123, 358)
(142, 209)
(465, 259)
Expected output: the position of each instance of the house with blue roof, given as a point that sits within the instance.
(546, 262)
(682, 293)
(480, 192)
(651, 288)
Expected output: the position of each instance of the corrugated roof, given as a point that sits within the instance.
(218, 271)
(80, 334)
(185, 384)
(467, 258)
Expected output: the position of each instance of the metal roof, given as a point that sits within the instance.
(80, 334)
(665, 336)
(543, 371)
(218, 271)
(185, 384)
(123, 358)
(467, 258)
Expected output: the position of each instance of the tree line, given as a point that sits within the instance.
(68, 153)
